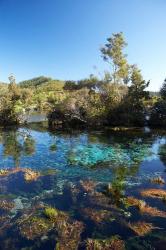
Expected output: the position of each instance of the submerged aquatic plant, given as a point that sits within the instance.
(51, 212)
(33, 224)
(132, 201)
(158, 180)
(115, 243)
(69, 234)
(97, 216)
(99, 199)
(141, 227)
(8, 171)
(115, 190)
(30, 175)
(144, 208)
(88, 185)
(154, 193)
(33, 227)
(153, 211)
(6, 205)
(4, 172)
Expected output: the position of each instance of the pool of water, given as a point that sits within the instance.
(106, 189)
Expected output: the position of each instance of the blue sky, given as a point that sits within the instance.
(62, 38)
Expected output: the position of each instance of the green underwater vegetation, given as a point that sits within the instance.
(50, 212)
(110, 197)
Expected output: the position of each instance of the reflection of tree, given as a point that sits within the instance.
(16, 144)
(118, 184)
(135, 154)
(162, 153)
(29, 145)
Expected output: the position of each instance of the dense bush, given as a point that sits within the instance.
(158, 113)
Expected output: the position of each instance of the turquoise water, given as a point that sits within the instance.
(126, 161)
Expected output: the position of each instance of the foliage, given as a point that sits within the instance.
(119, 99)
(106, 101)
(158, 112)
(163, 91)
(112, 52)
(90, 83)
(34, 82)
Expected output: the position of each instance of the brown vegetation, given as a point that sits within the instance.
(154, 193)
(158, 180)
(144, 208)
(88, 185)
(141, 228)
(97, 216)
(110, 244)
(31, 175)
(6, 205)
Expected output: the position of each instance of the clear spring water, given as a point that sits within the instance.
(126, 159)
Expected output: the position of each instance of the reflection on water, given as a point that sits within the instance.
(82, 190)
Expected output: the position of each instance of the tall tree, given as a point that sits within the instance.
(137, 94)
(158, 113)
(163, 90)
(112, 52)
(14, 90)
(138, 86)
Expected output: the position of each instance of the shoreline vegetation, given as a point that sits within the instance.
(119, 100)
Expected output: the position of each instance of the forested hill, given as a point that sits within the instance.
(37, 81)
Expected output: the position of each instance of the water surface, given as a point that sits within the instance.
(75, 171)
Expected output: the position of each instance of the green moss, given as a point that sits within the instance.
(51, 212)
